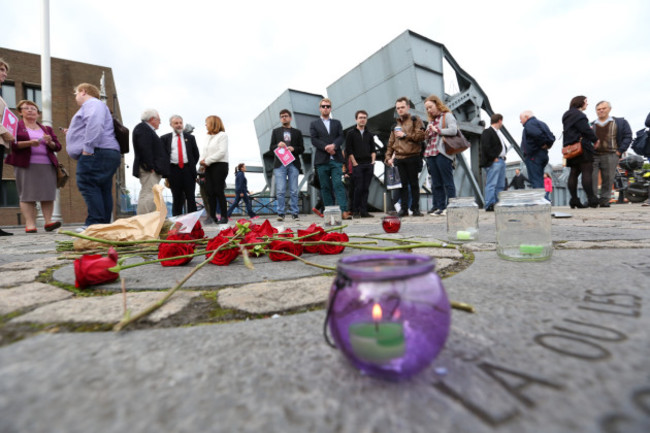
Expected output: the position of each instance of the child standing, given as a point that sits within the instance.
(241, 191)
(548, 186)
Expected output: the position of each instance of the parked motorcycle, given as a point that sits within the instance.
(633, 179)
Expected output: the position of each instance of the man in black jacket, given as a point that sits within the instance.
(536, 140)
(518, 180)
(151, 163)
(283, 139)
(493, 158)
(183, 154)
(360, 148)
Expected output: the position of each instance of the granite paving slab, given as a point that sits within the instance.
(30, 295)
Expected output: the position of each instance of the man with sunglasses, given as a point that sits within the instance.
(327, 139)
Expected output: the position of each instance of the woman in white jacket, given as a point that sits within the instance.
(215, 161)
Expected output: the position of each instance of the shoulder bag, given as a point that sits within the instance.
(456, 143)
(572, 150)
(62, 176)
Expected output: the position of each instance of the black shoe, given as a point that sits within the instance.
(366, 215)
(417, 213)
(4, 233)
(356, 215)
(295, 217)
(575, 203)
(433, 210)
(593, 203)
(280, 218)
(223, 221)
(489, 208)
(603, 204)
(403, 213)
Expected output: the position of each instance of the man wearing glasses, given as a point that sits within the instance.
(327, 138)
(286, 138)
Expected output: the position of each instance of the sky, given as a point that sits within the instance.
(232, 59)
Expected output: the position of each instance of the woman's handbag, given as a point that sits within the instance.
(572, 150)
(61, 176)
(392, 177)
(456, 143)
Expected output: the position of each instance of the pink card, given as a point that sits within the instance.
(285, 155)
(10, 121)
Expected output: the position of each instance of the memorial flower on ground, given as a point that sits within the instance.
(166, 250)
(224, 256)
(93, 269)
(291, 247)
(316, 233)
(333, 237)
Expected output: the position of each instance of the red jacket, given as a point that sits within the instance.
(20, 157)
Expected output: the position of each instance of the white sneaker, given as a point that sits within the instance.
(81, 229)
(410, 212)
(398, 207)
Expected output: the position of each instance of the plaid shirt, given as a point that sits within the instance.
(432, 138)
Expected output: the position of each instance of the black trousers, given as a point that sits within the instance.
(362, 176)
(215, 180)
(409, 173)
(183, 185)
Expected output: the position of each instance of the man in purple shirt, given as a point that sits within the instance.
(90, 140)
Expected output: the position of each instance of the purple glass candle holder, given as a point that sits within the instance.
(388, 313)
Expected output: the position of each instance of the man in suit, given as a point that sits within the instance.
(286, 138)
(151, 163)
(493, 158)
(327, 139)
(183, 154)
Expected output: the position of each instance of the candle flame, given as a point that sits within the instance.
(376, 312)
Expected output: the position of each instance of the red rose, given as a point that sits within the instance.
(287, 246)
(197, 231)
(172, 250)
(316, 237)
(333, 237)
(288, 233)
(252, 238)
(223, 256)
(93, 269)
(228, 232)
(266, 229)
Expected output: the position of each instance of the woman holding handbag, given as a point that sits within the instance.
(439, 164)
(578, 133)
(35, 166)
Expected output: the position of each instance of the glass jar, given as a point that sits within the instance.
(462, 219)
(332, 215)
(388, 313)
(523, 221)
(391, 222)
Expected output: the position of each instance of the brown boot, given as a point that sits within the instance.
(347, 215)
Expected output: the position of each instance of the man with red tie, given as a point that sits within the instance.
(183, 156)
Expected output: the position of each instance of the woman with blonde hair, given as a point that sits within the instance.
(439, 164)
(35, 166)
(215, 161)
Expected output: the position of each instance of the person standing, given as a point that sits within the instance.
(215, 161)
(439, 164)
(286, 138)
(151, 162)
(241, 192)
(183, 154)
(614, 137)
(34, 160)
(548, 186)
(536, 140)
(90, 140)
(576, 129)
(518, 180)
(360, 148)
(327, 138)
(493, 158)
(6, 138)
(404, 151)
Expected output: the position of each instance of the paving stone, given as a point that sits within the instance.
(582, 245)
(270, 297)
(14, 278)
(30, 295)
(106, 309)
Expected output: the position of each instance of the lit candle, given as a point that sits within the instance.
(391, 223)
(378, 342)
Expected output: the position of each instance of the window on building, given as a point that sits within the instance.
(33, 93)
(9, 193)
(8, 92)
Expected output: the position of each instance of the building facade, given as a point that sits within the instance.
(24, 82)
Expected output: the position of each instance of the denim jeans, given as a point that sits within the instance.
(247, 200)
(281, 174)
(95, 183)
(441, 170)
(495, 181)
(535, 166)
(329, 175)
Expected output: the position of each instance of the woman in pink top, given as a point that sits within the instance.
(548, 186)
(35, 165)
